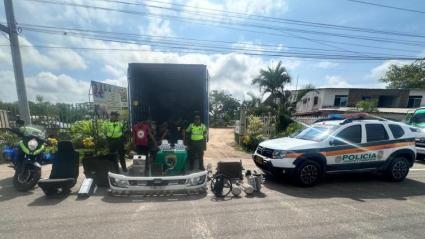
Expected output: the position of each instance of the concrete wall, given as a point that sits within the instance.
(418, 93)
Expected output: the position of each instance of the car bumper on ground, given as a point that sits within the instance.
(185, 184)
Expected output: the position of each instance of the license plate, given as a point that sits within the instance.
(259, 160)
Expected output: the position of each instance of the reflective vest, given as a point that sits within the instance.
(197, 131)
(114, 130)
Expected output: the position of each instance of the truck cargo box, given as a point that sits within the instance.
(164, 92)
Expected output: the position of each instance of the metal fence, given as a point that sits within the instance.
(307, 119)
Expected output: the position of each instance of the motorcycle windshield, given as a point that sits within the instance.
(34, 130)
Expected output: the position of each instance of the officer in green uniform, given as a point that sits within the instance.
(114, 131)
(197, 133)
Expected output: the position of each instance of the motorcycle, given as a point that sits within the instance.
(29, 158)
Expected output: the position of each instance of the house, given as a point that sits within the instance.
(392, 103)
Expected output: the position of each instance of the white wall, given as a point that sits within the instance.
(417, 93)
(328, 96)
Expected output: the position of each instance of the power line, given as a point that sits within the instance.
(167, 41)
(247, 52)
(189, 50)
(33, 26)
(268, 18)
(221, 23)
(387, 6)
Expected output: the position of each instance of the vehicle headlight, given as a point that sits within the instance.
(278, 154)
(119, 183)
(32, 144)
(197, 180)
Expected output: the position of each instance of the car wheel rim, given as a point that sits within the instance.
(309, 174)
(399, 170)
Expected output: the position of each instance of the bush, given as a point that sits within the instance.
(85, 135)
(291, 129)
(254, 134)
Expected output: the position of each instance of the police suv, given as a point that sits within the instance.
(337, 146)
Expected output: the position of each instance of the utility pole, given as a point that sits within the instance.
(12, 30)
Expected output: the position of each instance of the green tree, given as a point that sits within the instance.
(283, 103)
(406, 76)
(223, 108)
(368, 106)
(273, 81)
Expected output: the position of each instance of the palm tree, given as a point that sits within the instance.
(273, 81)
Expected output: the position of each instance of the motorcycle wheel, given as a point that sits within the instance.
(24, 183)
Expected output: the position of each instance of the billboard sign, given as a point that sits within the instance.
(108, 98)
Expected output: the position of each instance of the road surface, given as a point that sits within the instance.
(356, 206)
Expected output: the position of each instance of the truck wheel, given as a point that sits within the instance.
(398, 169)
(308, 173)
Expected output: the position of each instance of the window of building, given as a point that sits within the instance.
(352, 134)
(366, 97)
(340, 100)
(396, 130)
(304, 101)
(376, 132)
(316, 100)
(414, 101)
(388, 101)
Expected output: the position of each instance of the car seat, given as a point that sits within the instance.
(65, 170)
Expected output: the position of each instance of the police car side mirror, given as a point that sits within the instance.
(335, 142)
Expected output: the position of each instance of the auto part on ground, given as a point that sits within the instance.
(255, 180)
(138, 168)
(236, 190)
(221, 185)
(88, 188)
(181, 184)
(248, 189)
(65, 170)
(97, 168)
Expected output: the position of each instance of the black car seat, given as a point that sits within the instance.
(65, 170)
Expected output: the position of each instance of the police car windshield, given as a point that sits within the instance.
(316, 133)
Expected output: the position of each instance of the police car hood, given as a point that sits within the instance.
(288, 143)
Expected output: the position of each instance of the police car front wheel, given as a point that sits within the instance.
(308, 173)
(398, 169)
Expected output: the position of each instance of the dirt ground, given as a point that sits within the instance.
(222, 147)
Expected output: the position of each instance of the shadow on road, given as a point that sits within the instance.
(8, 192)
(358, 187)
(49, 201)
(107, 197)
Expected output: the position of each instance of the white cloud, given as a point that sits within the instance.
(54, 88)
(379, 71)
(326, 64)
(50, 59)
(337, 81)
(217, 11)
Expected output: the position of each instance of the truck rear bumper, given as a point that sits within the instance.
(185, 184)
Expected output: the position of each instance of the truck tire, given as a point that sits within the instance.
(398, 169)
(308, 173)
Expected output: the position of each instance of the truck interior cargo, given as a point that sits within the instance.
(167, 92)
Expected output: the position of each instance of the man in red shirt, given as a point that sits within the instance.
(141, 134)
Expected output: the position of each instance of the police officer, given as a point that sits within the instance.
(197, 133)
(114, 131)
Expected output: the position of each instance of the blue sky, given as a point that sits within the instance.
(63, 75)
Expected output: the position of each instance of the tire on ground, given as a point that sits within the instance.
(398, 169)
(308, 173)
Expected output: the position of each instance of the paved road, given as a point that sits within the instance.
(356, 206)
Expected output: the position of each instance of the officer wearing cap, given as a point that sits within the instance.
(197, 133)
(114, 132)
